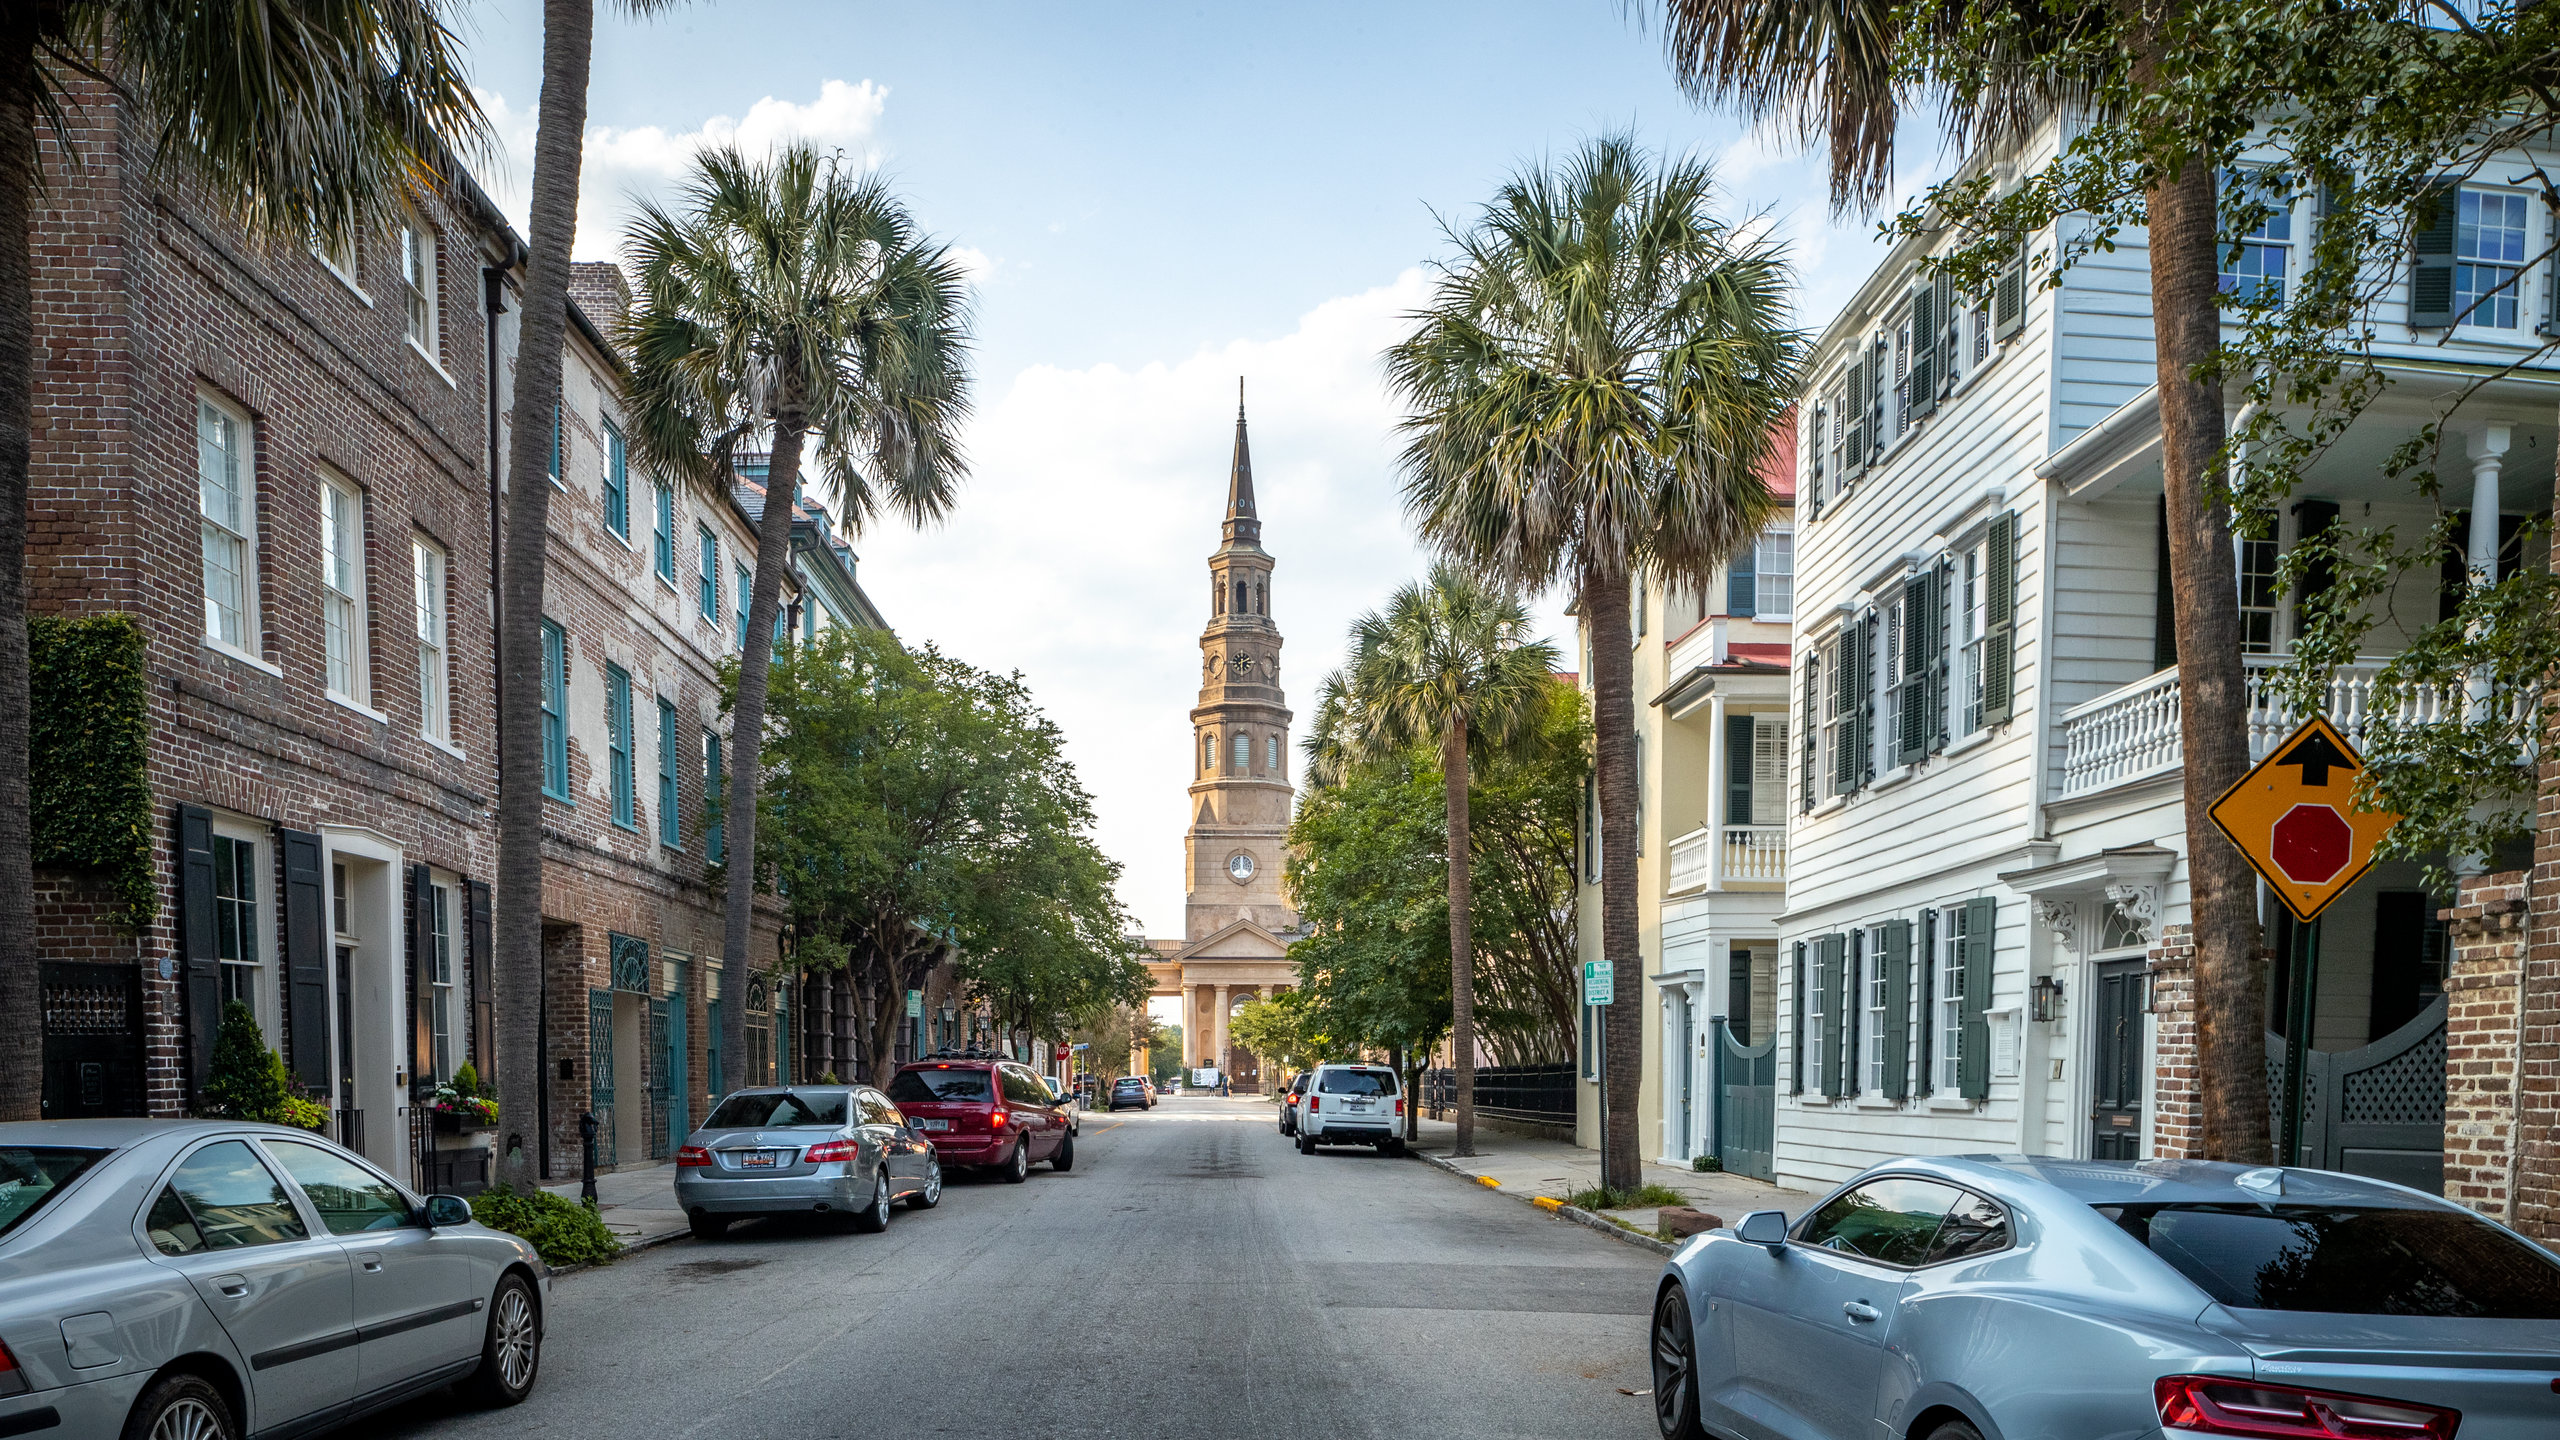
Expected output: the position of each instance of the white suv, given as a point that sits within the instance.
(1352, 1105)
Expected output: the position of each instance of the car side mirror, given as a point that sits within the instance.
(1765, 1228)
(444, 1210)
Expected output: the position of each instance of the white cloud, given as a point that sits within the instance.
(1078, 551)
(647, 161)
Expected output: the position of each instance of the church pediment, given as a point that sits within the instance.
(1238, 940)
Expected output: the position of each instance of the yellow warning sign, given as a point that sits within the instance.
(2294, 816)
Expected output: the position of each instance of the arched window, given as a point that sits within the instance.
(1209, 752)
(1271, 755)
(1244, 601)
(1244, 751)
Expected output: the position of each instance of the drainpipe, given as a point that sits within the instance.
(493, 286)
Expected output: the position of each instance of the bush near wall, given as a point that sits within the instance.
(88, 751)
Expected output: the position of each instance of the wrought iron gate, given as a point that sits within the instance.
(600, 1071)
(2377, 1110)
(92, 1040)
(658, 1052)
(1746, 1093)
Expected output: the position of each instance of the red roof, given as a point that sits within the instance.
(1778, 466)
(1755, 653)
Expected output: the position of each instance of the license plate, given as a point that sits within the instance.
(1359, 1104)
(933, 1124)
(756, 1160)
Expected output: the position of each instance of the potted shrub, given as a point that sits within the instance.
(249, 1081)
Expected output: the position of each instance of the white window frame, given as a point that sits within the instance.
(2272, 236)
(1947, 1024)
(253, 912)
(227, 510)
(1972, 619)
(443, 1009)
(346, 262)
(1826, 764)
(420, 266)
(1773, 587)
(428, 571)
(1813, 997)
(2507, 296)
(1875, 991)
(2262, 624)
(1892, 693)
(347, 668)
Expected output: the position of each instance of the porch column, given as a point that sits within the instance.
(1218, 1056)
(1719, 791)
(2487, 447)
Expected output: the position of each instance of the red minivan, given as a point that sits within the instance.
(986, 1112)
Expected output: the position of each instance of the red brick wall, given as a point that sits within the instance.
(2177, 1111)
(2483, 972)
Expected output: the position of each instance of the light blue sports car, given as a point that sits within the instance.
(2010, 1298)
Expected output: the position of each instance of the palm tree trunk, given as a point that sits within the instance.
(21, 1026)
(1604, 609)
(746, 729)
(568, 33)
(1462, 961)
(2186, 315)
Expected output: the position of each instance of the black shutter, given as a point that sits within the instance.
(1740, 582)
(199, 962)
(1912, 743)
(1897, 1009)
(483, 985)
(1737, 770)
(1812, 729)
(422, 949)
(2000, 620)
(2009, 296)
(2312, 519)
(1926, 968)
(1863, 715)
(2164, 612)
(1835, 949)
(1844, 726)
(1795, 1026)
(2432, 229)
(1857, 433)
(1920, 382)
(306, 956)
(1950, 332)
(1973, 1066)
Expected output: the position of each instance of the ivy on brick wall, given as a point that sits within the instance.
(91, 784)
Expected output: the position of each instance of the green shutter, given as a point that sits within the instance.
(1795, 1027)
(1857, 432)
(1897, 1009)
(1933, 680)
(2432, 231)
(2009, 295)
(2000, 628)
(1834, 983)
(1862, 646)
(1912, 740)
(1738, 731)
(1974, 1061)
(1920, 382)
(1844, 729)
(1925, 967)
(1741, 582)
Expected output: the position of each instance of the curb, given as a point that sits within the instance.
(629, 1247)
(1554, 1207)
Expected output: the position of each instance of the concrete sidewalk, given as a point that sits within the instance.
(1532, 1169)
(637, 1203)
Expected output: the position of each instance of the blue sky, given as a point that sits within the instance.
(1154, 198)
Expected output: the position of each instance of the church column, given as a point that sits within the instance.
(1218, 1057)
(1190, 1025)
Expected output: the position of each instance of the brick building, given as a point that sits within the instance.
(275, 461)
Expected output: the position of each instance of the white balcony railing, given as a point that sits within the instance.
(1712, 857)
(2132, 733)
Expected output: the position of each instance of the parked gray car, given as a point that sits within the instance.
(202, 1280)
(1992, 1298)
(805, 1150)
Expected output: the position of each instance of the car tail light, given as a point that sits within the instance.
(2219, 1405)
(996, 1119)
(13, 1381)
(832, 1152)
(1311, 1103)
(1399, 1104)
(692, 1155)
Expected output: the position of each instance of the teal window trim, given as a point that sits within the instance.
(555, 712)
(670, 827)
(713, 849)
(617, 724)
(707, 585)
(662, 532)
(746, 594)
(617, 483)
(556, 466)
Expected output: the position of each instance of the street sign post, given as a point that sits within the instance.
(1599, 981)
(2295, 817)
(915, 1004)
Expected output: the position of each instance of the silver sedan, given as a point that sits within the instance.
(1989, 1298)
(202, 1280)
(830, 1150)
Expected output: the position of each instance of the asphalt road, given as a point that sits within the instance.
(1193, 1276)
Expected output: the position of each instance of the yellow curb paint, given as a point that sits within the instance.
(1488, 1180)
(1546, 1202)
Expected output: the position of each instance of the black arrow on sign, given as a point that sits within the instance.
(2317, 754)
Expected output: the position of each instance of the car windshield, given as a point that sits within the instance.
(1129, 1085)
(939, 1083)
(31, 1175)
(2349, 1261)
(778, 1110)
(1357, 1082)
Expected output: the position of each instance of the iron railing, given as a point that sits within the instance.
(1535, 1094)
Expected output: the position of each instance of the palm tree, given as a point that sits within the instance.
(1834, 69)
(559, 149)
(1450, 664)
(1591, 393)
(793, 300)
(303, 118)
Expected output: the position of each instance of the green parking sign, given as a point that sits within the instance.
(1599, 982)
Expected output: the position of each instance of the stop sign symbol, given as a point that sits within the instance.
(2311, 843)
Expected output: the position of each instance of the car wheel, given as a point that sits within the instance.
(706, 1226)
(1065, 1159)
(511, 1356)
(1306, 1143)
(874, 1217)
(1018, 1169)
(1955, 1430)
(1394, 1146)
(931, 1194)
(180, 1407)
(1675, 1367)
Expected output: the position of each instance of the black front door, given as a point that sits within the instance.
(2115, 1112)
(92, 1040)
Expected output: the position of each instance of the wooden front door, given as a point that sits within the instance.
(2115, 1113)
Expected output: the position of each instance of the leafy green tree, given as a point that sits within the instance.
(924, 808)
(1590, 395)
(1448, 664)
(297, 118)
(1280, 1030)
(793, 300)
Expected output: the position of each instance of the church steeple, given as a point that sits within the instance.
(1242, 525)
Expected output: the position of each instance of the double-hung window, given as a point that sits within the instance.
(1899, 689)
(2253, 266)
(418, 284)
(435, 710)
(1971, 625)
(440, 1008)
(2488, 256)
(235, 925)
(1773, 574)
(555, 711)
(1875, 992)
(662, 533)
(227, 504)
(746, 597)
(617, 484)
(707, 583)
(2259, 596)
(670, 830)
(617, 726)
(342, 588)
(1948, 1000)
(1817, 1074)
